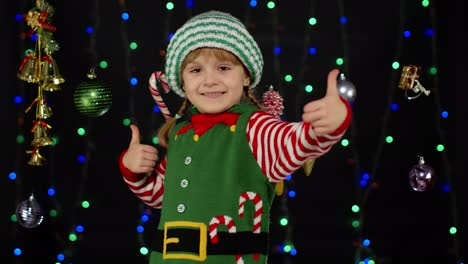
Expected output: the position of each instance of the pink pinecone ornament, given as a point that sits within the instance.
(272, 102)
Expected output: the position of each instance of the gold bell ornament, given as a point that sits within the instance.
(41, 137)
(51, 75)
(43, 111)
(36, 158)
(29, 70)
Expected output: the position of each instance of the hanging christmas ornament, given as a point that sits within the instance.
(92, 98)
(308, 166)
(346, 88)
(421, 176)
(29, 213)
(40, 131)
(29, 69)
(50, 74)
(43, 111)
(36, 158)
(409, 82)
(272, 102)
(40, 68)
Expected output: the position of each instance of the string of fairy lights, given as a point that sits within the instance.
(286, 247)
(440, 114)
(15, 175)
(145, 213)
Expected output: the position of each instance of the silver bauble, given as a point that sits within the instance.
(346, 88)
(29, 213)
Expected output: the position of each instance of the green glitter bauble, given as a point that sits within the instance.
(93, 98)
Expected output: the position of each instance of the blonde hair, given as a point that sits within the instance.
(166, 128)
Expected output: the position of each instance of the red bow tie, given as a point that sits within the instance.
(202, 122)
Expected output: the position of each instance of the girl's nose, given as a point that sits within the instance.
(210, 78)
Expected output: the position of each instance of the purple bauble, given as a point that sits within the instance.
(421, 177)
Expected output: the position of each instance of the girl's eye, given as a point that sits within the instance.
(195, 70)
(224, 68)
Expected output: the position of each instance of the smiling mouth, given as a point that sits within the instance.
(213, 94)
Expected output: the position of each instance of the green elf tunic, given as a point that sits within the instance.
(217, 201)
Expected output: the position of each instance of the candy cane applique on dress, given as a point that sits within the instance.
(227, 221)
(257, 221)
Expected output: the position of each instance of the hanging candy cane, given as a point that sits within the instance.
(158, 81)
(227, 221)
(257, 221)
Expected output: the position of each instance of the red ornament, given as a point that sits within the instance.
(272, 103)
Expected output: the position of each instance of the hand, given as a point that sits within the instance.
(327, 113)
(139, 158)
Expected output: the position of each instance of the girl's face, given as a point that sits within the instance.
(213, 80)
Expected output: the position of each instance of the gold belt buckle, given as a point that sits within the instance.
(169, 240)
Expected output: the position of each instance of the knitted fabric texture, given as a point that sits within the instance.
(213, 29)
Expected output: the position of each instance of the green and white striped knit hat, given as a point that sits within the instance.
(213, 29)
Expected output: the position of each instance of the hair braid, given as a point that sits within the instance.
(249, 95)
(166, 128)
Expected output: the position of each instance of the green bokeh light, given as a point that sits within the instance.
(170, 5)
(283, 221)
(144, 251)
(389, 139)
(312, 21)
(20, 139)
(339, 61)
(72, 237)
(85, 204)
(355, 223)
(440, 147)
(355, 208)
(126, 122)
(453, 230)
(13, 218)
(81, 131)
(155, 140)
(344, 142)
(133, 46)
(103, 64)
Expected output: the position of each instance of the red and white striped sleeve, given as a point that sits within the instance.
(281, 148)
(148, 187)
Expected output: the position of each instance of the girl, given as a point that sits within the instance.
(215, 185)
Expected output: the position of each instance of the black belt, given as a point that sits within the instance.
(228, 243)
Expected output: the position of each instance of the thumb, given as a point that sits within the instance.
(332, 89)
(135, 135)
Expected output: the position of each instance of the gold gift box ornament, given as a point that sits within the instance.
(409, 82)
